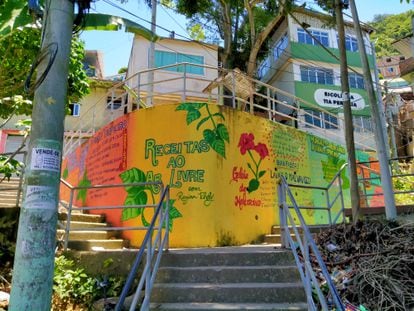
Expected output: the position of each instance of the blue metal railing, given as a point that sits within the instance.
(306, 245)
(150, 246)
(333, 194)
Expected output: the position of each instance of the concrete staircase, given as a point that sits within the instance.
(275, 236)
(8, 193)
(89, 239)
(229, 278)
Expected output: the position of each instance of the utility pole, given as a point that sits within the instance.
(151, 56)
(390, 122)
(349, 128)
(36, 240)
(390, 210)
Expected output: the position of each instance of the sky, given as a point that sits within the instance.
(116, 45)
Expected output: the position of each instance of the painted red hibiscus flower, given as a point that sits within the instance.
(262, 150)
(246, 144)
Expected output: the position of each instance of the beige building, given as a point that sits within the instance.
(199, 70)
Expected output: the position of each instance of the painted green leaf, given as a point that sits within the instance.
(65, 173)
(189, 106)
(222, 132)
(215, 142)
(173, 214)
(253, 185)
(192, 115)
(209, 136)
(219, 114)
(219, 146)
(133, 175)
(261, 173)
(129, 213)
(82, 193)
(202, 121)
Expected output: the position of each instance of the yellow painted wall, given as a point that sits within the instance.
(221, 164)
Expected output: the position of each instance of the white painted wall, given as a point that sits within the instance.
(195, 84)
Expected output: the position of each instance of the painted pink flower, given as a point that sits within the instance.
(262, 150)
(246, 142)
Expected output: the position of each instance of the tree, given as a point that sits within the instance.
(389, 28)
(242, 25)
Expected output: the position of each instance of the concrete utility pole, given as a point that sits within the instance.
(151, 56)
(349, 128)
(390, 121)
(36, 240)
(390, 210)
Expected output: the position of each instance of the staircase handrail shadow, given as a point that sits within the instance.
(306, 245)
(150, 247)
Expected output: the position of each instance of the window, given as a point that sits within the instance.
(320, 119)
(321, 36)
(276, 51)
(280, 46)
(114, 104)
(362, 124)
(351, 44)
(164, 58)
(263, 68)
(316, 75)
(356, 81)
(390, 69)
(74, 109)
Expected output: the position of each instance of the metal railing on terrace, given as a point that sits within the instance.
(402, 175)
(225, 87)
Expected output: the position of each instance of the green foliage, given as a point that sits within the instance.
(19, 50)
(9, 166)
(389, 28)
(215, 137)
(8, 225)
(196, 32)
(404, 183)
(122, 70)
(73, 285)
(226, 239)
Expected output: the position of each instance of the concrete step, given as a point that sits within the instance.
(88, 235)
(84, 224)
(82, 217)
(228, 278)
(230, 306)
(225, 256)
(90, 245)
(229, 274)
(229, 292)
(273, 238)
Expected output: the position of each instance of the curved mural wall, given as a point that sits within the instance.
(222, 166)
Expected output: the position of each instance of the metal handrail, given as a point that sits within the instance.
(151, 247)
(69, 207)
(330, 202)
(306, 244)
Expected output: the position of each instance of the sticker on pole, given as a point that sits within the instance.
(40, 197)
(45, 159)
